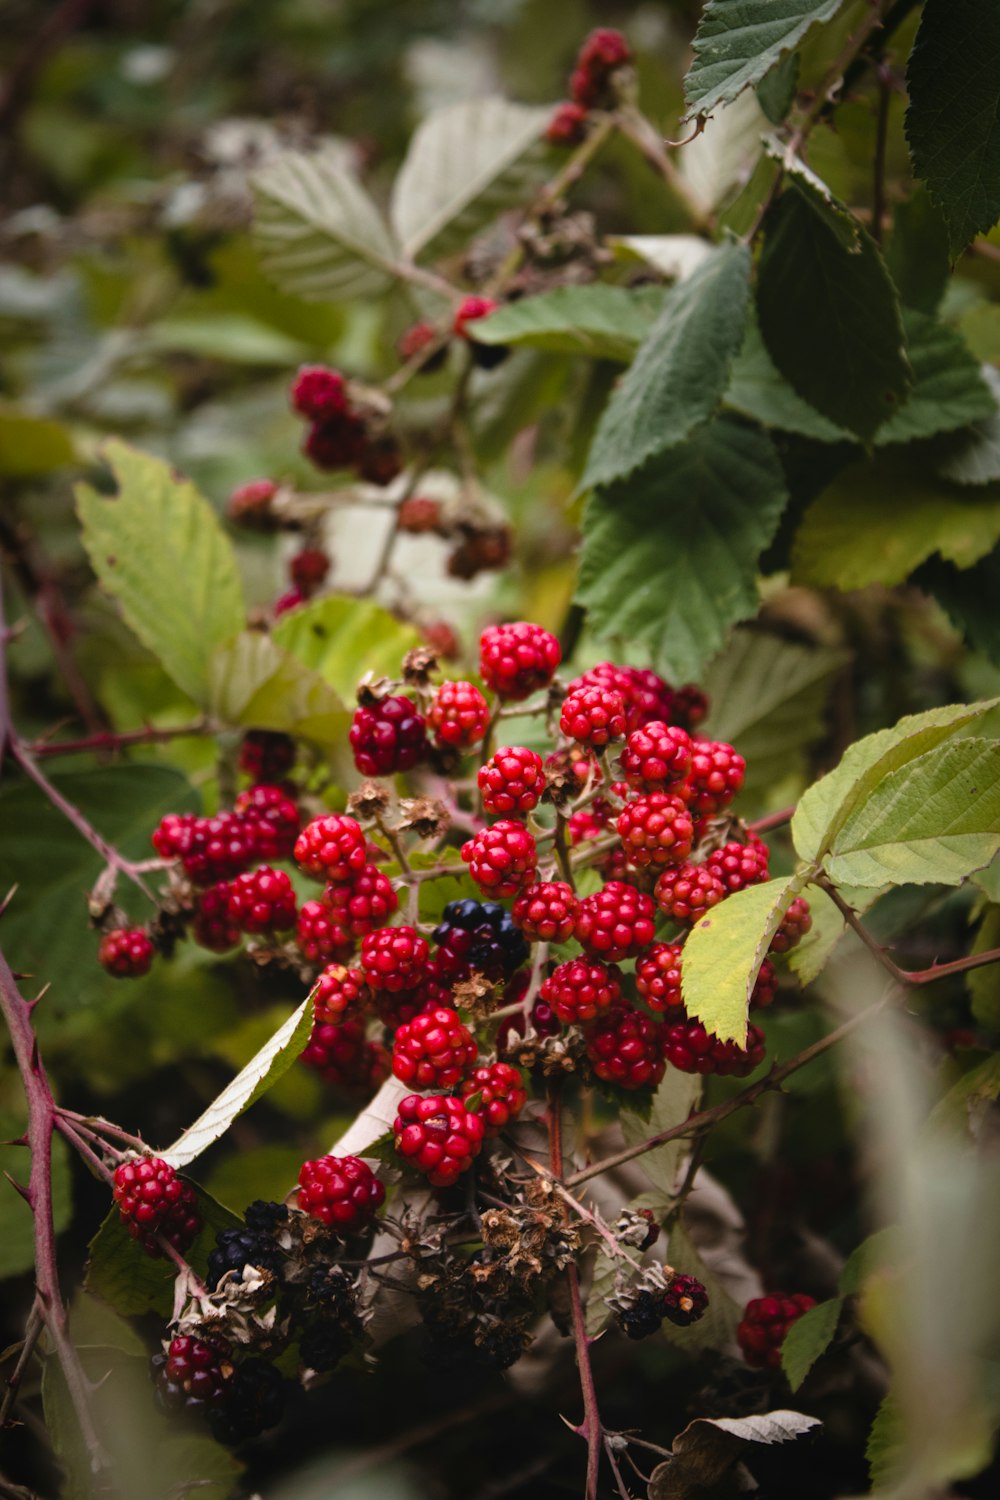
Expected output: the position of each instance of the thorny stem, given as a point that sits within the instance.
(906, 976)
(32, 1331)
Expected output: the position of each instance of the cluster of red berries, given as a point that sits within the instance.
(765, 1322)
(594, 84)
(341, 433)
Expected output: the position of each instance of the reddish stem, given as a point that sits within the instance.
(109, 741)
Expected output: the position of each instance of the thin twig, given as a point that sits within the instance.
(108, 742)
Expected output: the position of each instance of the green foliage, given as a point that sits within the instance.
(947, 392)
(808, 1339)
(255, 683)
(917, 252)
(676, 1097)
(334, 635)
(598, 321)
(759, 390)
(739, 41)
(32, 445)
(121, 1273)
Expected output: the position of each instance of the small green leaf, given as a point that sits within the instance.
(776, 90)
(948, 390)
(917, 252)
(158, 547)
(675, 1098)
(739, 41)
(602, 1283)
(808, 1338)
(254, 683)
(670, 559)
(886, 1448)
(724, 952)
(680, 371)
(829, 315)
(953, 79)
(344, 638)
(273, 1059)
(598, 321)
(934, 820)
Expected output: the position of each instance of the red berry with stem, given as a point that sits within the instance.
(339, 993)
(344, 1058)
(388, 735)
(579, 990)
(739, 865)
(332, 847)
(126, 952)
(794, 925)
(266, 755)
(656, 829)
(684, 1301)
(417, 338)
(546, 912)
(153, 1200)
(686, 892)
(419, 514)
(593, 716)
(765, 1324)
(765, 986)
(308, 569)
(319, 393)
(502, 858)
(656, 757)
(262, 900)
(568, 125)
(512, 780)
(625, 1047)
(459, 715)
(319, 934)
(517, 660)
(394, 958)
(337, 443)
(364, 903)
(434, 1050)
(194, 1373)
(499, 1092)
(469, 310)
(342, 1192)
(438, 1136)
(616, 922)
(717, 774)
(250, 505)
(658, 976)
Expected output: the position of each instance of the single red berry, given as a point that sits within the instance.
(655, 829)
(332, 847)
(568, 125)
(337, 443)
(656, 757)
(578, 990)
(339, 993)
(262, 900)
(380, 460)
(250, 505)
(443, 638)
(765, 1322)
(604, 50)
(487, 547)
(459, 715)
(344, 1058)
(210, 849)
(594, 716)
(213, 927)
(153, 1200)
(417, 337)
(643, 692)
(546, 912)
(308, 569)
(434, 1050)
(364, 903)
(691, 1049)
(625, 1047)
(387, 735)
(512, 780)
(499, 1089)
(794, 925)
(126, 952)
(616, 922)
(765, 987)
(276, 820)
(291, 599)
(502, 858)
(342, 1192)
(684, 1301)
(419, 515)
(716, 775)
(688, 891)
(438, 1136)
(689, 707)
(658, 976)
(266, 755)
(194, 1373)
(318, 393)
(739, 865)
(319, 935)
(516, 660)
(469, 309)
(394, 958)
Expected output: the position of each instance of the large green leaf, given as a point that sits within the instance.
(827, 805)
(724, 952)
(343, 638)
(739, 41)
(953, 119)
(973, 457)
(947, 392)
(599, 321)
(318, 233)
(466, 163)
(17, 1243)
(829, 315)
(934, 820)
(808, 1338)
(670, 559)
(680, 371)
(255, 683)
(917, 252)
(758, 389)
(879, 521)
(158, 547)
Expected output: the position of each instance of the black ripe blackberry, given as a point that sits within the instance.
(478, 935)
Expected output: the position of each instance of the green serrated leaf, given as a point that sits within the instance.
(968, 597)
(673, 255)
(934, 820)
(870, 1256)
(973, 456)
(948, 390)
(739, 41)
(159, 549)
(317, 232)
(759, 390)
(598, 321)
(879, 521)
(597, 1313)
(776, 90)
(829, 315)
(917, 252)
(836, 216)
(273, 1059)
(953, 79)
(886, 1448)
(343, 638)
(675, 1098)
(724, 952)
(254, 683)
(808, 958)
(808, 1338)
(466, 164)
(121, 1273)
(680, 371)
(670, 559)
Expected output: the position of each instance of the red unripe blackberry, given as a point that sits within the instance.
(502, 858)
(394, 958)
(396, 1007)
(656, 757)
(568, 125)
(266, 755)
(332, 847)
(153, 1200)
(213, 927)
(684, 1301)
(643, 692)
(459, 715)
(388, 735)
(262, 900)
(342, 1192)
(616, 922)
(658, 976)
(338, 443)
(193, 1373)
(688, 891)
(603, 51)
(577, 991)
(512, 780)
(585, 89)
(689, 707)
(418, 515)
(308, 569)
(765, 1322)
(126, 952)
(318, 393)
(766, 986)
(417, 338)
(516, 660)
(366, 902)
(344, 1058)
(794, 925)
(443, 638)
(590, 822)
(717, 774)
(275, 818)
(656, 829)
(593, 716)
(501, 1094)
(433, 1050)
(250, 505)
(469, 309)
(210, 849)
(290, 600)
(547, 912)
(319, 935)
(380, 460)
(691, 1049)
(339, 993)
(438, 1136)
(625, 1047)
(739, 865)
